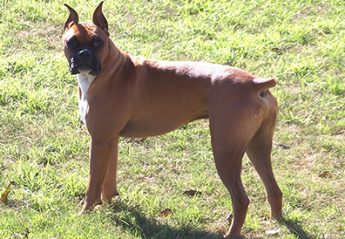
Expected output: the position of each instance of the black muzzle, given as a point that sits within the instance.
(84, 60)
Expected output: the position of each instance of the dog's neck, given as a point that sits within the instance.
(115, 63)
(115, 60)
(84, 80)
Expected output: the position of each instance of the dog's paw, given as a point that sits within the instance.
(107, 197)
(83, 212)
(233, 237)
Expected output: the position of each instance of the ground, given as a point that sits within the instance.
(168, 185)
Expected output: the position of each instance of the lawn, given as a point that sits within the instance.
(44, 148)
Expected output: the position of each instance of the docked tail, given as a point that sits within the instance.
(262, 84)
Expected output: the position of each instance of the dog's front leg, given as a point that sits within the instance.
(99, 156)
(109, 189)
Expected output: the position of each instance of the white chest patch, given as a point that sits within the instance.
(84, 80)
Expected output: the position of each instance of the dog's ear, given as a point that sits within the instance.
(99, 18)
(73, 17)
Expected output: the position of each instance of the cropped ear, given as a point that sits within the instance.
(73, 17)
(99, 18)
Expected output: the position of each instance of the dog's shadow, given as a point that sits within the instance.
(135, 222)
(296, 229)
(132, 220)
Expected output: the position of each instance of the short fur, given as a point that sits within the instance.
(136, 97)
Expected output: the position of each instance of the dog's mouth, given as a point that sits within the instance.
(84, 62)
(75, 68)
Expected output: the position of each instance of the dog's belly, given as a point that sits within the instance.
(138, 130)
(152, 126)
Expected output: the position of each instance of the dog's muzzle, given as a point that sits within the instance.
(84, 60)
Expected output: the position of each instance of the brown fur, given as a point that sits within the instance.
(135, 97)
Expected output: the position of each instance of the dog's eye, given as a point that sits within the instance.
(97, 42)
(72, 43)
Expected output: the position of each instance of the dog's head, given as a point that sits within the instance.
(86, 45)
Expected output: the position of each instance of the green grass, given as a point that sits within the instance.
(44, 150)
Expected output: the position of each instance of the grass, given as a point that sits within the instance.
(44, 150)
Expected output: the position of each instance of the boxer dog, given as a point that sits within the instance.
(126, 96)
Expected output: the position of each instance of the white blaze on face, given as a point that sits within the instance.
(84, 80)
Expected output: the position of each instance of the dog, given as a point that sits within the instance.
(125, 96)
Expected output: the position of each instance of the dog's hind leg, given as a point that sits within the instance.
(231, 131)
(228, 164)
(259, 152)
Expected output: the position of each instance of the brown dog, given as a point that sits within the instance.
(122, 95)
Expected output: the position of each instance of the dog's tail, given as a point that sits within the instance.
(262, 84)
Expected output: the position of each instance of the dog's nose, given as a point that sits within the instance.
(84, 53)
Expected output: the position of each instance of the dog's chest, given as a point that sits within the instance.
(84, 81)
